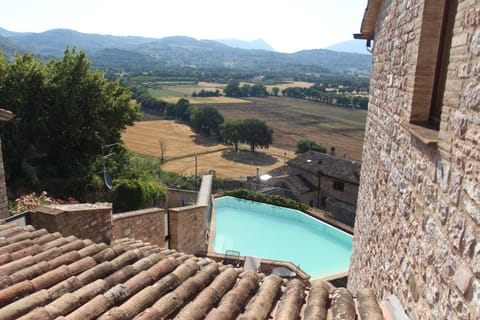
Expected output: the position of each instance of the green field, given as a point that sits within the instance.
(165, 92)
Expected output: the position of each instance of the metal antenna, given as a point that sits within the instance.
(106, 176)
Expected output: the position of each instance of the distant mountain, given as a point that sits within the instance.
(6, 33)
(54, 42)
(352, 46)
(180, 51)
(8, 48)
(258, 44)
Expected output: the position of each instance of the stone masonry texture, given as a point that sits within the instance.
(147, 225)
(417, 231)
(3, 189)
(187, 229)
(88, 221)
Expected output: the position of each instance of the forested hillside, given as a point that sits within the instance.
(139, 53)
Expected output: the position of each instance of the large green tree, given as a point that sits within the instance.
(206, 119)
(230, 131)
(65, 112)
(256, 133)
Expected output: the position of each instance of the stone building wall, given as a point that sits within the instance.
(187, 229)
(418, 212)
(4, 213)
(85, 221)
(348, 195)
(147, 225)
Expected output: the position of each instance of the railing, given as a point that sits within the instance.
(22, 219)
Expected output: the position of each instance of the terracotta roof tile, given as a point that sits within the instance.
(236, 299)
(47, 238)
(343, 306)
(92, 249)
(48, 254)
(66, 286)
(48, 276)
(29, 272)
(15, 265)
(368, 307)
(31, 250)
(291, 301)
(15, 291)
(65, 258)
(15, 309)
(10, 247)
(210, 296)
(263, 302)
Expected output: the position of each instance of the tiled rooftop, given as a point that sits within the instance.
(335, 167)
(47, 276)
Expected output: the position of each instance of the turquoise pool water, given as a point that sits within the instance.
(266, 231)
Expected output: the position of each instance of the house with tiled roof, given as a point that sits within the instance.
(322, 181)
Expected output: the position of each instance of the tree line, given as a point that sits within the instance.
(318, 93)
(233, 89)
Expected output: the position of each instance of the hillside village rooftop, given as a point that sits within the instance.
(48, 276)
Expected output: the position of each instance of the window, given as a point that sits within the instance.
(432, 65)
(337, 185)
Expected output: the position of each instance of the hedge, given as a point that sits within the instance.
(134, 194)
(266, 198)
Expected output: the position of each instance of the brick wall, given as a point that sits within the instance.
(418, 212)
(85, 221)
(187, 229)
(147, 225)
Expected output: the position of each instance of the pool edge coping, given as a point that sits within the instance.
(317, 214)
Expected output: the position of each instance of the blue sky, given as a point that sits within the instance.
(288, 26)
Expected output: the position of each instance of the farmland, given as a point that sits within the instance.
(171, 93)
(291, 119)
(183, 145)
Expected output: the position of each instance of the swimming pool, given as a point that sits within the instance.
(271, 232)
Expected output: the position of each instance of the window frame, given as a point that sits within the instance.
(431, 73)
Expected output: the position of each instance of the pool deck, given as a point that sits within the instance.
(324, 216)
(266, 265)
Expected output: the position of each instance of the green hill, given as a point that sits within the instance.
(107, 50)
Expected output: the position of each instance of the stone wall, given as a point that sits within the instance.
(418, 212)
(85, 221)
(4, 213)
(147, 225)
(187, 229)
(181, 198)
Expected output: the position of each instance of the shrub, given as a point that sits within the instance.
(266, 198)
(306, 145)
(134, 194)
(33, 200)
